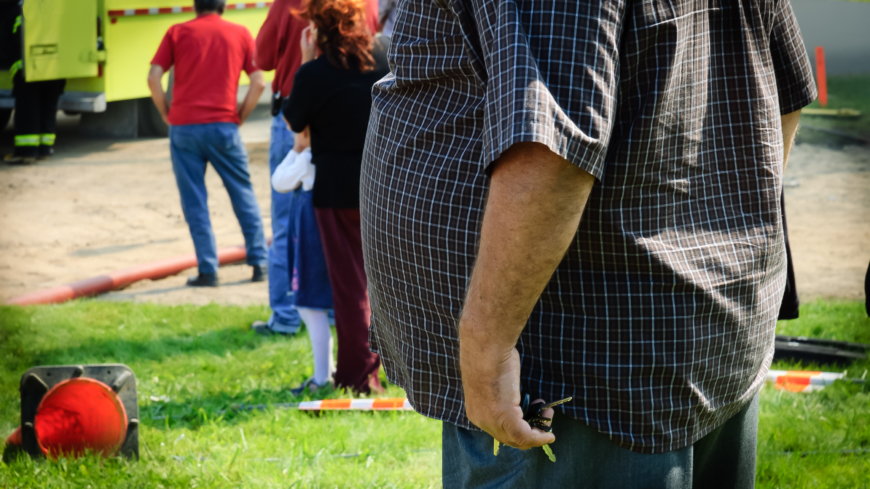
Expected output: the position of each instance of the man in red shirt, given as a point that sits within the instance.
(278, 49)
(209, 54)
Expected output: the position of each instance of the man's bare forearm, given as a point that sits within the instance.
(252, 98)
(789, 129)
(155, 84)
(534, 206)
(535, 202)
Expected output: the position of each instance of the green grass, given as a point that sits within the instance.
(824, 423)
(196, 361)
(203, 359)
(844, 92)
(841, 321)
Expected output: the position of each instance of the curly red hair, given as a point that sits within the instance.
(342, 33)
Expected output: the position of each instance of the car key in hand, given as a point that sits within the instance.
(532, 414)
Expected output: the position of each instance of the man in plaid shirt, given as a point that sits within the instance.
(580, 199)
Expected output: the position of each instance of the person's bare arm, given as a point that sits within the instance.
(157, 94)
(532, 213)
(789, 129)
(258, 84)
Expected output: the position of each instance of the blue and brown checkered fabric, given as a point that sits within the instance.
(660, 319)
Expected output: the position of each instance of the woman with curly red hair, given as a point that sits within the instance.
(331, 97)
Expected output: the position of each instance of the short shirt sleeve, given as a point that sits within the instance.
(165, 56)
(250, 46)
(551, 74)
(794, 77)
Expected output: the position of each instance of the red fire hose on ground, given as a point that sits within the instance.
(122, 278)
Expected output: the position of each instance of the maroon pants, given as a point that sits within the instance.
(356, 367)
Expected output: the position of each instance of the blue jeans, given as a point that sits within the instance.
(191, 147)
(724, 458)
(310, 282)
(284, 317)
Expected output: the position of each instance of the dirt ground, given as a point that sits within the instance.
(104, 205)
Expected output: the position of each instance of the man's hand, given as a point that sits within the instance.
(532, 213)
(492, 399)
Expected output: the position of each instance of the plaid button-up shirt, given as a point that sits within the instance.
(659, 321)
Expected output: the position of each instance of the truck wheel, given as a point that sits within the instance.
(5, 114)
(150, 124)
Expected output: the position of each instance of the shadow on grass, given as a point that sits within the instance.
(229, 409)
(14, 357)
(217, 342)
(94, 332)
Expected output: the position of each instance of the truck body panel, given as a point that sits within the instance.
(63, 42)
(60, 39)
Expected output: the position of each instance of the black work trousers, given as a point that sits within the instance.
(35, 115)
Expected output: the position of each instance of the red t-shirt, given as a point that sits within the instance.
(209, 55)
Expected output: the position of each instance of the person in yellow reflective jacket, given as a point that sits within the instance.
(35, 115)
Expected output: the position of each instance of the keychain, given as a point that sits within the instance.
(532, 413)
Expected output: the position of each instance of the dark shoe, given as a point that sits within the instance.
(19, 160)
(45, 152)
(262, 327)
(312, 386)
(203, 280)
(259, 274)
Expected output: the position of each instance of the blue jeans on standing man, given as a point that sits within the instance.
(284, 316)
(191, 147)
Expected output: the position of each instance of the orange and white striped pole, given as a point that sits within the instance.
(388, 404)
(394, 404)
(802, 381)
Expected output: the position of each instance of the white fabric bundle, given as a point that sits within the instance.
(295, 170)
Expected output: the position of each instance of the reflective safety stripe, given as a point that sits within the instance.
(46, 139)
(14, 68)
(27, 140)
(17, 24)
